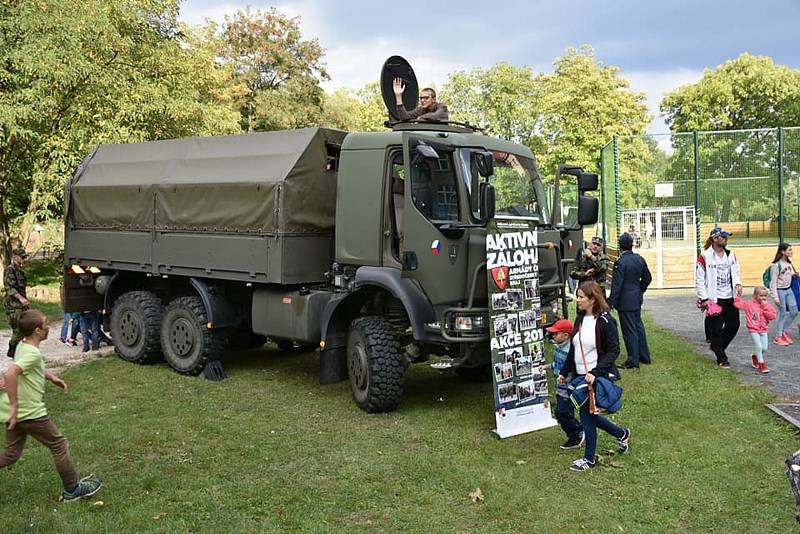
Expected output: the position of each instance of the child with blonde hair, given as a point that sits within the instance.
(758, 313)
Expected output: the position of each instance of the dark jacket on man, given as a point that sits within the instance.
(629, 282)
(606, 342)
(438, 113)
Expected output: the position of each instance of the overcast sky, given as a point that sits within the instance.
(658, 44)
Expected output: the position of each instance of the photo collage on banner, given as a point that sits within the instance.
(522, 402)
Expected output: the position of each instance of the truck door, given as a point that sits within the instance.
(434, 246)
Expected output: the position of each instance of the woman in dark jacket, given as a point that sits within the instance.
(595, 347)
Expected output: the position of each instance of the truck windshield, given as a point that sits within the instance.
(518, 188)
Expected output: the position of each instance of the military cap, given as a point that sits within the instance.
(19, 252)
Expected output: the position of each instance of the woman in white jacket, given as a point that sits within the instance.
(718, 278)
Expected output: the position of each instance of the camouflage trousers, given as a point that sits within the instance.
(12, 316)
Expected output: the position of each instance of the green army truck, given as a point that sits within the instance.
(370, 246)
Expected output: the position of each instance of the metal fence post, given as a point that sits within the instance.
(697, 211)
(604, 235)
(781, 205)
(618, 210)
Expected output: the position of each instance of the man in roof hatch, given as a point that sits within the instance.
(428, 110)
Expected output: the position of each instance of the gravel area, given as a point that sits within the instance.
(679, 314)
(57, 356)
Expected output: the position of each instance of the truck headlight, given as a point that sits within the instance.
(470, 322)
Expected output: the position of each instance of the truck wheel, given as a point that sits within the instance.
(375, 364)
(188, 345)
(135, 322)
(293, 347)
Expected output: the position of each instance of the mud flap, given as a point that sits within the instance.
(332, 365)
(213, 371)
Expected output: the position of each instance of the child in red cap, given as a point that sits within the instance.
(565, 411)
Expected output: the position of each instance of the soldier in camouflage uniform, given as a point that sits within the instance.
(592, 264)
(15, 301)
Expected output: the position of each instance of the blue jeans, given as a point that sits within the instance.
(590, 425)
(76, 325)
(565, 413)
(787, 311)
(90, 323)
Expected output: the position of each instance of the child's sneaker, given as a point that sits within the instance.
(763, 368)
(780, 340)
(86, 487)
(756, 365)
(623, 441)
(788, 339)
(574, 442)
(582, 464)
(63, 340)
(72, 342)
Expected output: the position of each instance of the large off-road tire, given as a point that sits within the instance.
(186, 341)
(293, 347)
(375, 364)
(135, 326)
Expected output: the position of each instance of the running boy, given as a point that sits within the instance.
(565, 412)
(758, 313)
(23, 410)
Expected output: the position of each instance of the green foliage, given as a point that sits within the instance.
(502, 99)
(360, 110)
(81, 72)
(565, 116)
(275, 72)
(583, 104)
(746, 92)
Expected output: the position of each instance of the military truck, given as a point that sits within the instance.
(370, 246)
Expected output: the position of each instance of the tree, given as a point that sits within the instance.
(502, 99)
(276, 72)
(81, 72)
(360, 110)
(583, 104)
(749, 92)
(746, 92)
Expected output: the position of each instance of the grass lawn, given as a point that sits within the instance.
(271, 450)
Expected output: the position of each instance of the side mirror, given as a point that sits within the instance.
(487, 201)
(484, 161)
(588, 209)
(587, 181)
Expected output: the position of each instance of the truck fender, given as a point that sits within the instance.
(339, 311)
(416, 303)
(219, 310)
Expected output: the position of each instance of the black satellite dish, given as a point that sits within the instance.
(397, 67)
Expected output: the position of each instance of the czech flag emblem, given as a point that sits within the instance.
(436, 247)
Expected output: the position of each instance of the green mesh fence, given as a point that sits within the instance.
(791, 184)
(674, 188)
(608, 202)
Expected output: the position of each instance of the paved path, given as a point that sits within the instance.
(679, 314)
(57, 356)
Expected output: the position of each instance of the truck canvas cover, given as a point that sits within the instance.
(264, 183)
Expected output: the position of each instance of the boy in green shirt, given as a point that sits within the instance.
(22, 408)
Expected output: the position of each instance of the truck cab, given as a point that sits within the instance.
(416, 260)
